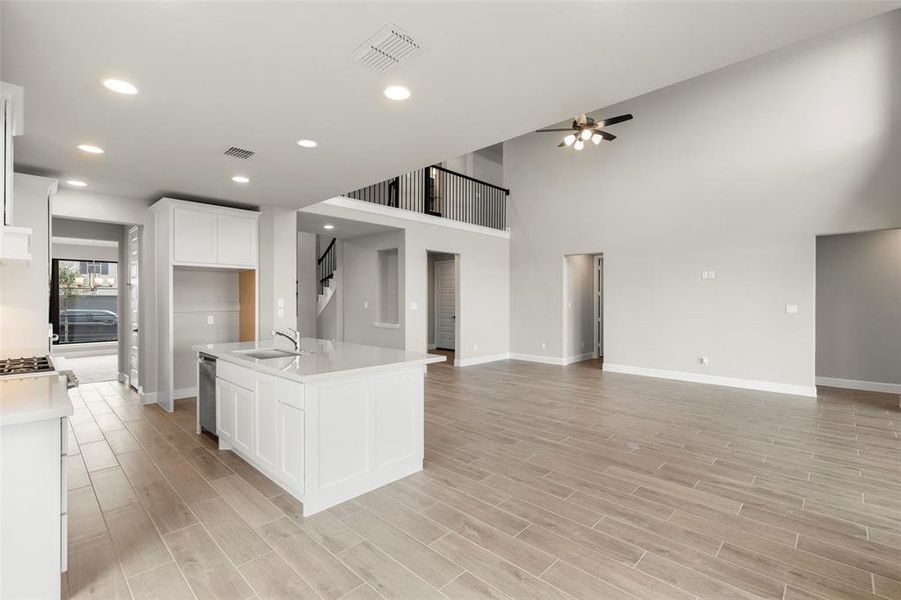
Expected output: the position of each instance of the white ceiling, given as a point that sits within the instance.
(261, 75)
(344, 229)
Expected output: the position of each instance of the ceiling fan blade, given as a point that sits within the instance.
(547, 130)
(607, 136)
(561, 144)
(614, 120)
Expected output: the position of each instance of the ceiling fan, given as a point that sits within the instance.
(585, 128)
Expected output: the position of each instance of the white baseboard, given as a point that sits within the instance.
(857, 384)
(750, 384)
(147, 397)
(479, 360)
(538, 358)
(123, 378)
(85, 349)
(188, 392)
(578, 358)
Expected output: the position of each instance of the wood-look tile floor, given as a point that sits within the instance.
(540, 482)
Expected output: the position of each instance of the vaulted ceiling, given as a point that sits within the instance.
(261, 75)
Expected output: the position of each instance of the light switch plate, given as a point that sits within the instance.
(791, 309)
(281, 303)
(414, 306)
(209, 319)
(365, 304)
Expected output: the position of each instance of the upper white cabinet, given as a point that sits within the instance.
(207, 235)
(194, 236)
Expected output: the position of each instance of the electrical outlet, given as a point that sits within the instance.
(365, 304)
(475, 346)
(703, 360)
(791, 309)
(544, 345)
(209, 319)
(414, 306)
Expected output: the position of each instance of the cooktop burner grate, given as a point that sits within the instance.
(25, 365)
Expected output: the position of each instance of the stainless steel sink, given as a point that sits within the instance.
(268, 353)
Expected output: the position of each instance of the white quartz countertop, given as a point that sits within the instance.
(320, 359)
(28, 399)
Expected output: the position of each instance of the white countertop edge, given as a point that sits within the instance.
(60, 407)
(263, 368)
(228, 355)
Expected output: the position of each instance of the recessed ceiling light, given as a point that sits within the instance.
(90, 149)
(241, 179)
(328, 226)
(397, 92)
(120, 87)
(76, 183)
(307, 143)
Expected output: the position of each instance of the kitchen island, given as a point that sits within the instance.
(327, 423)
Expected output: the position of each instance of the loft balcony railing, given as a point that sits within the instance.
(443, 193)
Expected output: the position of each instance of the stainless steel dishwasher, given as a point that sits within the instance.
(206, 392)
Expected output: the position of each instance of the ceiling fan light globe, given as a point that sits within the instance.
(568, 140)
(579, 145)
(586, 133)
(596, 139)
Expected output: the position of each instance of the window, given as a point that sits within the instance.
(389, 313)
(84, 300)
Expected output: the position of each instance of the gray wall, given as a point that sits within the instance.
(307, 284)
(735, 171)
(579, 307)
(859, 306)
(196, 295)
(360, 283)
(483, 307)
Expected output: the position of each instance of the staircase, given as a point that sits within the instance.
(326, 293)
(326, 269)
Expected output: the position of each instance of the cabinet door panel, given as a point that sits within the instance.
(237, 240)
(265, 439)
(225, 410)
(194, 236)
(290, 448)
(243, 440)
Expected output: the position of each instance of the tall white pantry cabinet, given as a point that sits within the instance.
(201, 236)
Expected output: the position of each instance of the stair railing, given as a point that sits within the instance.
(325, 265)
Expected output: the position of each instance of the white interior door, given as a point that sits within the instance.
(134, 336)
(445, 304)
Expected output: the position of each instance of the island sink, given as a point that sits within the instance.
(265, 353)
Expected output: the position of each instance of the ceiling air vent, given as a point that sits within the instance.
(241, 153)
(386, 49)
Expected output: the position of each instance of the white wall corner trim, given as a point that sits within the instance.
(857, 384)
(548, 360)
(409, 215)
(479, 360)
(578, 358)
(750, 384)
(186, 392)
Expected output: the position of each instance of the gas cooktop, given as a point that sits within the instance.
(25, 365)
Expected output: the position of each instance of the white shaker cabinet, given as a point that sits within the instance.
(225, 411)
(237, 240)
(194, 236)
(290, 448)
(265, 439)
(207, 236)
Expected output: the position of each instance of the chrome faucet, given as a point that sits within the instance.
(294, 336)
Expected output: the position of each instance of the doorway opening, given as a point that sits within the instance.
(443, 299)
(94, 299)
(583, 308)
